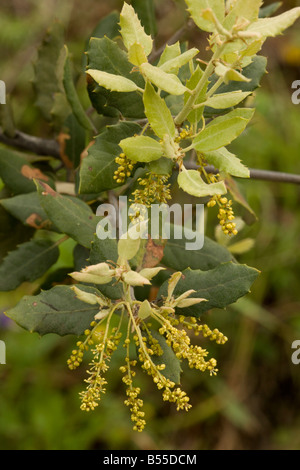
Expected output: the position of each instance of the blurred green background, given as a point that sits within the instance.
(254, 401)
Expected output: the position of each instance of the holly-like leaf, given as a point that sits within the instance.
(47, 83)
(196, 8)
(163, 166)
(221, 286)
(112, 82)
(271, 27)
(105, 55)
(268, 10)
(158, 113)
(195, 116)
(132, 31)
(29, 262)
(27, 209)
(12, 233)
(247, 9)
(97, 169)
(192, 183)
(163, 80)
(136, 55)
(254, 71)
(223, 130)
(102, 251)
(227, 162)
(173, 64)
(73, 142)
(107, 26)
(17, 173)
(229, 73)
(177, 257)
(55, 311)
(169, 53)
(71, 93)
(146, 12)
(69, 214)
(141, 148)
(226, 100)
(128, 247)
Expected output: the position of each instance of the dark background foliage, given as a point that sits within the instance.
(254, 401)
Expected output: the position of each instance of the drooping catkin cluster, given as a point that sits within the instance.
(154, 190)
(184, 133)
(98, 367)
(144, 345)
(225, 215)
(124, 169)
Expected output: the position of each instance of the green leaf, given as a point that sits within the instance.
(268, 10)
(27, 209)
(7, 121)
(128, 247)
(163, 166)
(227, 100)
(17, 173)
(227, 162)
(105, 55)
(72, 95)
(12, 233)
(107, 26)
(146, 12)
(69, 214)
(228, 74)
(46, 82)
(144, 310)
(172, 370)
(177, 257)
(112, 82)
(255, 71)
(165, 81)
(248, 215)
(75, 142)
(175, 63)
(169, 53)
(247, 9)
(136, 55)
(102, 251)
(132, 31)
(158, 113)
(29, 262)
(221, 286)
(55, 311)
(97, 169)
(196, 7)
(242, 246)
(195, 116)
(223, 130)
(81, 257)
(271, 27)
(141, 148)
(192, 183)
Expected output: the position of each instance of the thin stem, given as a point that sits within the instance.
(138, 332)
(215, 87)
(176, 36)
(34, 144)
(255, 174)
(188, 107)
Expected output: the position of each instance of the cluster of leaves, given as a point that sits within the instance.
(165, 112)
